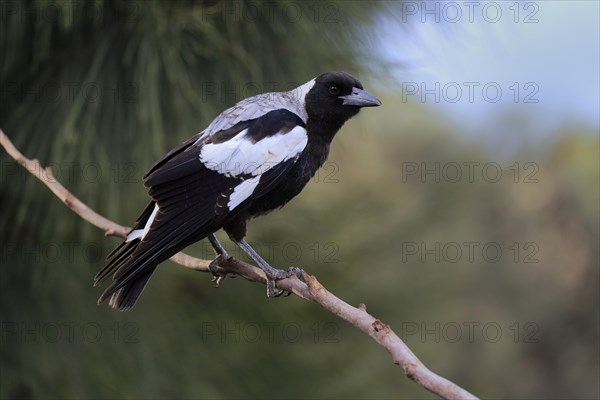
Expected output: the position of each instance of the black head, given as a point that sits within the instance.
(336, 97)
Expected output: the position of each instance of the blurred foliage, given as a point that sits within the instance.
(101, 89)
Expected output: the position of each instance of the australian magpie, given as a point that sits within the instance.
(252, 159)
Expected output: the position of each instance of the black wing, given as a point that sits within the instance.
(197, 187)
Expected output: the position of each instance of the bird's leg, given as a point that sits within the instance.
(272, 274)
(222, 255)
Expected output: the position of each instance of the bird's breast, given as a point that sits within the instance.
(311, 159)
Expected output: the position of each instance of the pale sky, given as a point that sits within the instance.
(554, 58)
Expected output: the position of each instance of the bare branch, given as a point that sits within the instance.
(308, 288)
(109, 227)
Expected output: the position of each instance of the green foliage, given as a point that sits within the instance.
(118, 83)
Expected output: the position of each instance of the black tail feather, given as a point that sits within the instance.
(126, 297)
(115, 260)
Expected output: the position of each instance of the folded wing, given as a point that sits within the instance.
(198, 187)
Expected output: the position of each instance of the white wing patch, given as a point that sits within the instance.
(240, 156)
(242, 192)
(141, 233)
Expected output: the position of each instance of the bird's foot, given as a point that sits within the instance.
(213, 267)
(271, 273)
(222, 256)
(274, 275)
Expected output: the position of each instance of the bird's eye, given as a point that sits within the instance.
(334, 90)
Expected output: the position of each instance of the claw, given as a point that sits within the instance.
(222, 256)
(272, 291)
(213, 267)
(271, 273)
(299, 272)
(218, 281)
(278, 274)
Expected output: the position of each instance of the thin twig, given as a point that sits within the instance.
(308, 288)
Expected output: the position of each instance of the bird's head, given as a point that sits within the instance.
(336, 97)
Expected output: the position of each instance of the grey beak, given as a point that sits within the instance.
(360, 98)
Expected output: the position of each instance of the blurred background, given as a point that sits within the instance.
(463, 212)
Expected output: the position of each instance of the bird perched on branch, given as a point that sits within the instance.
(251, 160)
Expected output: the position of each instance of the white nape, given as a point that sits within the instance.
(300, 93)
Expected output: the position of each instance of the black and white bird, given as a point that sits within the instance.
(251, 160)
